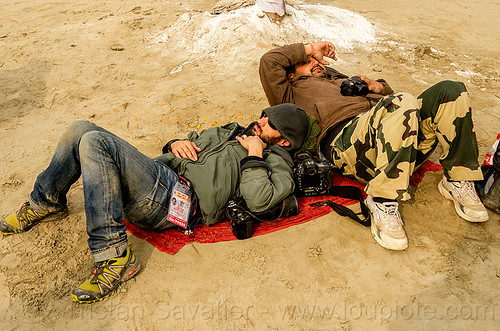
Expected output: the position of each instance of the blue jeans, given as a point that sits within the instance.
(118, 182)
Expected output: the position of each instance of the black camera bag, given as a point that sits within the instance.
(242, 219)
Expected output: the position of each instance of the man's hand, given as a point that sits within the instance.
(185, 149)
(320, 50)
(253, 144)
(373, 85)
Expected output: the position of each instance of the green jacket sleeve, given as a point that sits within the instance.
(265, 182)
(168, 157)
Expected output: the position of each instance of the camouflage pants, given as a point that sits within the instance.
(383, 146)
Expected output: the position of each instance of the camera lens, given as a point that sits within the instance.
(310, 168)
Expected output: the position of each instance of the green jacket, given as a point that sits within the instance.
(224, 170)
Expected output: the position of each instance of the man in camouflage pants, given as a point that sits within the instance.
(382, 137)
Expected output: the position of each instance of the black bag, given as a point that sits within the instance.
(489, 188)
(242, 219)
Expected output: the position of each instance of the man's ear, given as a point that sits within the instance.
(284, 143)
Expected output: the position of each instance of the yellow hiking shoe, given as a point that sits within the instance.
(105, 278)
(26, 218)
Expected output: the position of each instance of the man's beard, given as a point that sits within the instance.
(322, 73)
(250, 130)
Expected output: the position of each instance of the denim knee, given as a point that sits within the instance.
(91, 141)
(76, 130)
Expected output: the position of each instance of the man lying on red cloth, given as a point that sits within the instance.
(120, 182)
(171, 241)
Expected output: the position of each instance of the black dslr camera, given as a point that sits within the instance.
(353, 86)
(242, 219)
(312, 176)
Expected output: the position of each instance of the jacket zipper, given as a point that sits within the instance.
(204, 157)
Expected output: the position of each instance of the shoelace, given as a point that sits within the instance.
(22, 210)
(468, 191)
(96, 272)
(24, 216)
(391, 209)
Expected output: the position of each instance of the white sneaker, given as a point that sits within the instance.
(387, 225)
(464, 196)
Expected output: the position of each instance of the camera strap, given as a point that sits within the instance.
(348, 192)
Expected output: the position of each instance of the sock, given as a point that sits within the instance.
(124, 253)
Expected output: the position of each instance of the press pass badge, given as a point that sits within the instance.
(180, 204)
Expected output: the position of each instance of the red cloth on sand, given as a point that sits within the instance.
(171, 241)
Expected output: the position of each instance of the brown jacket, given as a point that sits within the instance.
(319, 96)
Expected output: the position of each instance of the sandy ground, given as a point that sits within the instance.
(153, 70)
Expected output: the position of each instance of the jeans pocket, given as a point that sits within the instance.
(151, 211)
